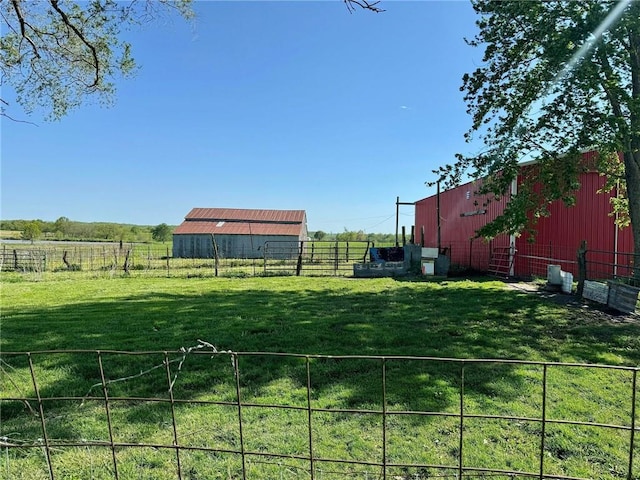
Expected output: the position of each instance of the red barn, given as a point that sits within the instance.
(558, 238)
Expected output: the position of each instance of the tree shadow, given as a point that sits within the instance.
(451, 320)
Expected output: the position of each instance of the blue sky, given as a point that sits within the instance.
(279, 105)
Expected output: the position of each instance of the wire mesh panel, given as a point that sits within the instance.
(314, 257)
(209, 414)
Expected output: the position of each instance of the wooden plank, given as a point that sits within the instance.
(623, 298)
(596, 291)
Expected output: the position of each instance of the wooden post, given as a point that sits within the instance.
(15, 259)
(299, 265)
(397, 217)
(214, 246)
(125, 267)
(404, 235)
(167, 257)
(582, 267)
(422, 236)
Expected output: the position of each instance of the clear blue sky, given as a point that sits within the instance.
(278, 105)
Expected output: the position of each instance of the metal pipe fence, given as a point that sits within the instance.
(238, 444)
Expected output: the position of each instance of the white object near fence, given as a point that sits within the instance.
(596, 291)
(567, 282)
(554, 275)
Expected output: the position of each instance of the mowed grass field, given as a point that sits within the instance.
(456, 319)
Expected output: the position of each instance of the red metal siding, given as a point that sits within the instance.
(558, 236)
(458, 223)
(587, 220)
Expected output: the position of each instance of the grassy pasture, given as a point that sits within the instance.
(315, 316)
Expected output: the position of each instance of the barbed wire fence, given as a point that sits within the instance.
(238, 448)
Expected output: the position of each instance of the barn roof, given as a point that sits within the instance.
(237, 221)
(246, 215)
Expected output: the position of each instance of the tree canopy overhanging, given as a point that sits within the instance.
(59, 54)
(558, 78)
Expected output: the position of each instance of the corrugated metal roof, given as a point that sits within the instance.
(247, 215)
(203, 227)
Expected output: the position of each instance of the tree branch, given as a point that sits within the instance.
(23, 30)
(94, 53)
(364, 4)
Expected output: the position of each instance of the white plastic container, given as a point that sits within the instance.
(554, 275)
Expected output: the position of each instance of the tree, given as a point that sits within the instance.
(319, 235)
(61, 225)
(56, 54)
(161, 233)
(32, 231)
(557, 78)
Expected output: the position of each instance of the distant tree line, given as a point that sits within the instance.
(353, 236)
(65, 229)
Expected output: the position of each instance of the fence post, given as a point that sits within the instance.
(15, 259)
(125, 267)
(582, 267)
(299, 265)
(214, 247)
(167, 262)
(422, 236)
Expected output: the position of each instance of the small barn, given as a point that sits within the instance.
(558, 238)
(240, 233)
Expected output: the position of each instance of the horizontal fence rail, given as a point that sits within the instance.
(311, 258)
(49, 397)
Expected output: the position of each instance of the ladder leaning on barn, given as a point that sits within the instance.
(501, 261)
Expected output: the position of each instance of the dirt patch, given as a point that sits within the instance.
(587, 311)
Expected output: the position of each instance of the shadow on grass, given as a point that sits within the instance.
(452, 319)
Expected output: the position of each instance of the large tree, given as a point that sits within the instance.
(557, 78)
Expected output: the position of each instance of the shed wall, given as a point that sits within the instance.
(558, 236)
(462, 212)
(229, 246)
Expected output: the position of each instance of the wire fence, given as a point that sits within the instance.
(200, 413)
(312, 258)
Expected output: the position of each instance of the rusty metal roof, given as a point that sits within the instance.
(237, 221)
(242, 214)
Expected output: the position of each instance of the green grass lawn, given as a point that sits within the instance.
(311, 316)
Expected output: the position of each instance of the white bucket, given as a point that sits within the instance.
(567, 282)
(554, 275)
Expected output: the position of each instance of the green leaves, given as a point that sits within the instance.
(558, 78)
(57, 55)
